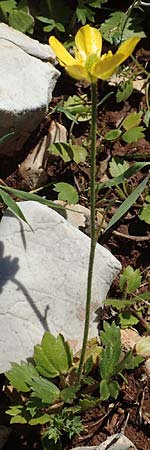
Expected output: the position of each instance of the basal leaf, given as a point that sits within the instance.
(127, 174)
(53, 356)
(121, 304)
(130, 279)
(145, 213)
(113, 135)
(126, 205)
(79, 153)
(108, 389)
(45, 389)
(111, 334)
(133, 134)
(69, 393)
(117, 168)
(130, 361)
(132, 120)
(20, 376)
(67, 193)
(18, 419)
(63, 150)
(68, 152)
(124, 91)
(21, 21)
(127, 319)
(40, 419)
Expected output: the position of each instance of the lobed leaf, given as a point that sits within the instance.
(133, 135)
(44, 389)
(20, 376)
(53, 356)
(67, 192)
(130, 279)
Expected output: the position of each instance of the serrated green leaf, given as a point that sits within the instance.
(124, 91)
(130, 279)
(130, 361)
(45, 389)
(111, 334)
(110, 355)
(79, 153)
(88, 365)
(108, 389)
(68, 152)
(7, 5)
(142, 296)
(87, 402)
(110, 28)
(44, 19)
(145, 214)
(18, 419)
(113, 135)
(117, 168)
(78, 107)
(127, 319)
(69, 393)
(83, 14)
(53, 357)
(120, 304)
(133, 135)
(34, 405)
(118, 27)
(127, 174)
(67, 193)
(20, 376)
(21, 21)
(12, 205)
(132, 120)
(23, 5)
(126, 205)
(14, 410)
(40, 420)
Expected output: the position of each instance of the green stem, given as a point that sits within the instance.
(93, 232)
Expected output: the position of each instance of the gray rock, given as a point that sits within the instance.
(26, 86)
(115, 442)
(29, 45)
(43, 277)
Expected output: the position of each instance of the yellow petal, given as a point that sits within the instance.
(63, 56)
(88, 41)
(108, 63)
(127, 47)
(78, 72)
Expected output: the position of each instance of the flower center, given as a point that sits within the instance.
(90, 62)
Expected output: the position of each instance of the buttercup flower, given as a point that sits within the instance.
(88, 63)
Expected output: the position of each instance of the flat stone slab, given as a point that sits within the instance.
(26, 86)
(26, 43)
(43, 275)
(115, 442)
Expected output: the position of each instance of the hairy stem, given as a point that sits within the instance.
(93, 232)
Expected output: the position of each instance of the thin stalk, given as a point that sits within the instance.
(93, 232)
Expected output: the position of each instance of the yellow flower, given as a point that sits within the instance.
(88, 64)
